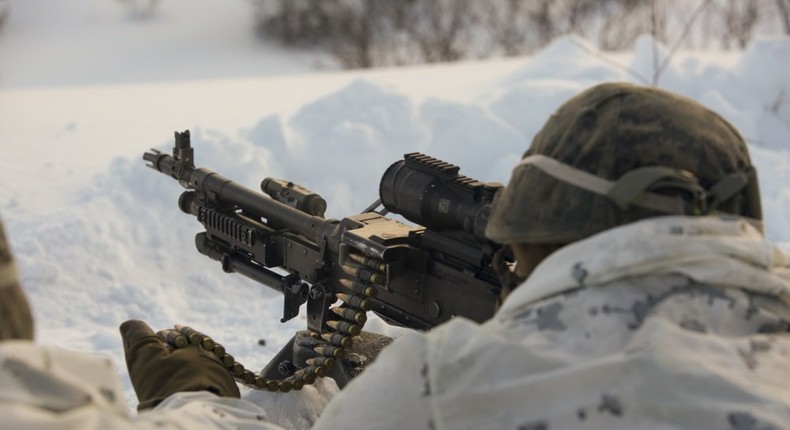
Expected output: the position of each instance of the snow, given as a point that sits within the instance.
(98, 236)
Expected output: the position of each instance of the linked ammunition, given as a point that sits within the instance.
(370, 262)
(359, 287)
(194, 336)
(176, 339)
(219, 350)
(306, 377)
(260, 383)
(285, 386)
(330, 351)
(237, 369)
(338, 339)
(227, 360)
(248, 377)
(296, 383)
(349, 314)
(327, 362)
(356, 302)
(208, 343)
(363, 274)
(318, 371)
(345, 327)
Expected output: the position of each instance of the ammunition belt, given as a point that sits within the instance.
(331, 345)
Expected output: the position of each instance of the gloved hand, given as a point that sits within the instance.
(157, 370)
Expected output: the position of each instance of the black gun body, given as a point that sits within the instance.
(431, 276)
(425, 288)
(425, 300)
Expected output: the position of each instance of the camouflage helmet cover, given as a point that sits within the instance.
(16, 322)
(608, 131)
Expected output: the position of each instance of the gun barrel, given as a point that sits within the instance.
(161, 162)
(274, 212)
(206, 181)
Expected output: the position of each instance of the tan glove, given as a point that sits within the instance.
(157, 370)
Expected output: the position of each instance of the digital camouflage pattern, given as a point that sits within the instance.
(16, 322)
(608, 131)
(673, 322)
(51, 388)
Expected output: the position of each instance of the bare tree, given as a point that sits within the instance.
(353, 35)
(369, 33)
(623, 22)
(3, 12)
(780, 101)
(141, 9)
(740, 18)
(508, 24)
(438, 27)
(578, 12)
(783, 7)
(658, 20)
(294, 22)
(543, 20)
(523, 26)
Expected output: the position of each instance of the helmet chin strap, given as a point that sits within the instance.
(508, 278)
(636, 187)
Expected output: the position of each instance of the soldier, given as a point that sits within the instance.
(650, 298)
(50, 388)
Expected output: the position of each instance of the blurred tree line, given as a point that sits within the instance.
(3, 12)
(141, 9)
(370, 33)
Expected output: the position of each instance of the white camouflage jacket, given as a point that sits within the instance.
(46, 388)
(669, 323)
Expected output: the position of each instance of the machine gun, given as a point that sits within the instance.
(412, 276)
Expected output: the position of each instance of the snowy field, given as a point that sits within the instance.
(98, 236)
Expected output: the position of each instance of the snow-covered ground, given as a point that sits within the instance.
(98, 236)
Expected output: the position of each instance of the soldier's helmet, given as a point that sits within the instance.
(617, 153)
(16, 322)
